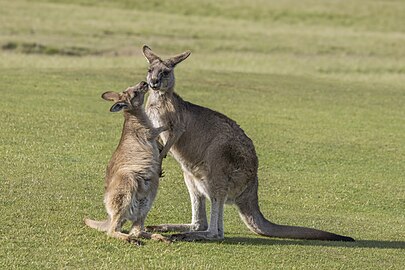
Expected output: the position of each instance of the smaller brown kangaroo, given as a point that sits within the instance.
(132, 176)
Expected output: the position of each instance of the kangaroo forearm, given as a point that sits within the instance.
(173, 138)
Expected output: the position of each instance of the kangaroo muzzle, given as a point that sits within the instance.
(144, 86)
(155, 84)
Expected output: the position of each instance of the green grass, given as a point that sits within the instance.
(317, 85)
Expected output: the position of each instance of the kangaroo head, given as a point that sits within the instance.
(160, 72)
(130, 99)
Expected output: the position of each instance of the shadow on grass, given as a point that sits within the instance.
(281, 242)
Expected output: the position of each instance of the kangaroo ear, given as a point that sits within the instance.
(173, 61)
(118, 107)
(110, 96)
(150, 56)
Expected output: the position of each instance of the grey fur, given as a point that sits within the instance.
(218, 160)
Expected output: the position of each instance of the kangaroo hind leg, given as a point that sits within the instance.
(199, 216)
(215, 229)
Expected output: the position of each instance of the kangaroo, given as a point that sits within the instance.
(218, 160)
(132, 175)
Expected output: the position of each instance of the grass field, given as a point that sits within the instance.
(319, 86)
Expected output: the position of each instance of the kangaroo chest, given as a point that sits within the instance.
(162, 113)
(161, 116)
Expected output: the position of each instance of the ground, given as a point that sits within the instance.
(317, 85)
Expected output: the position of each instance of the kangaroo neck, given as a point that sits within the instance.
(167, 110)
(135, 120)
(157, 97)
(163, 103)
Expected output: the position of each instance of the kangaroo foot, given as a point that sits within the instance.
(134, 240)
(173, 228)
(161, 238)
(195, 236)
(151, 236)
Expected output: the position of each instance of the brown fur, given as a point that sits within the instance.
(132, 176)
(218, 159)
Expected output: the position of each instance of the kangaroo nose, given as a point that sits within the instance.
(154, 83)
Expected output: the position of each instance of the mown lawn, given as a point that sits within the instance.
(319, 86)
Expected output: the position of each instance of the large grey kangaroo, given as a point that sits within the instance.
(218, 160)
(132, 176)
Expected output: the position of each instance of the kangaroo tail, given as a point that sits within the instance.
(98, 225)
(250, 213)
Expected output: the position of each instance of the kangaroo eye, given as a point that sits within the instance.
(165, 73)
